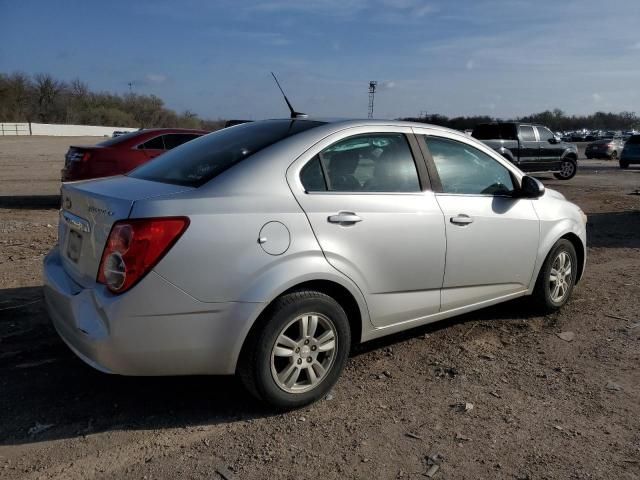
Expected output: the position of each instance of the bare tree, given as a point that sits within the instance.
(47, 90)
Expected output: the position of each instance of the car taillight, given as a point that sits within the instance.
(134, 247)
(86, 156)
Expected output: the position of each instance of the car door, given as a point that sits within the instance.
(550, 150)
(529, 148)
(370, 206)
(492, 237)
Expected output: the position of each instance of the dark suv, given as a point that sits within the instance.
(533, 148)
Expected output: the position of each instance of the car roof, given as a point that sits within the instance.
(173, 130)
(341, 123)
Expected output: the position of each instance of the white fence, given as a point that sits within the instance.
(59, 130)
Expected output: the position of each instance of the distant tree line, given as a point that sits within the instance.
(556, 120)
(44, 99)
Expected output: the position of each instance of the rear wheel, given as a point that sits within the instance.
(568, 170)
(557, 277)
(298, 351)
(624, 164)
(614, 155)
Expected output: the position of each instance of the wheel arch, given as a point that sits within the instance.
(580, 252)
(352, 303)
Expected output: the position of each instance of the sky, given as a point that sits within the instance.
(455, 57)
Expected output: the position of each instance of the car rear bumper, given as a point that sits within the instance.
(154, 329)
(598, 153)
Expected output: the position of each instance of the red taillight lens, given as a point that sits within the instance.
(134, 247)
(86, 156)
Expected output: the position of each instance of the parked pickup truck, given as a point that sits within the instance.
(533, 148)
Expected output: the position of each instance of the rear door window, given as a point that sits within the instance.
(380, 162)
(156, 143)
(526, 133)
(312, 177)
(173, 140)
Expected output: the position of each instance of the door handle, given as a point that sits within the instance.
(461, 219)
(344, 217)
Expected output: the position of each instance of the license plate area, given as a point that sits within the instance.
(74, 245)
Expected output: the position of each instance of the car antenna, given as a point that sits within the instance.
(294, 114)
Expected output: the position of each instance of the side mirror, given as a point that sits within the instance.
(531, 188)
(553, 140)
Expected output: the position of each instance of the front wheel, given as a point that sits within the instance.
(557, 277)
(568, 170)
(297, 352)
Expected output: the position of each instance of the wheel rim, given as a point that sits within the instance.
(560, 277)
(304, 352)
(614, 155)
(567, 169)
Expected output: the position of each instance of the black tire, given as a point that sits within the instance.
(614, 155)
(569, 169)
(624, 165)
(255, 365)
(542, 294)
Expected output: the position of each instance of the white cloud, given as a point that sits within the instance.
(388, 85)
(424, 10)
(156, 78)
(470, 64)
(596, 97)
(635, 46)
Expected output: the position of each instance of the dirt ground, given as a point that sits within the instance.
(543, 408)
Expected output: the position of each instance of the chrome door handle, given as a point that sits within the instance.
(344, 217)
(462, 219)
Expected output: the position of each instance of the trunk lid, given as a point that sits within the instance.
(88, 211)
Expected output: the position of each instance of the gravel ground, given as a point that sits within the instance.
(543, 407)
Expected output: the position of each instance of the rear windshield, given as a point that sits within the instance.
(196, 162)
(495, 131)
(634, 140)
(119, 139)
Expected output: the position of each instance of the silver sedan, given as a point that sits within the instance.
(268, 249)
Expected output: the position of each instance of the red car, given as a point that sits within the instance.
(123, 153)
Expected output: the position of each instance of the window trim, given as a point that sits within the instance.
(424, 180)
(435, 176)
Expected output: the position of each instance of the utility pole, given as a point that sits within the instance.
(372, 93)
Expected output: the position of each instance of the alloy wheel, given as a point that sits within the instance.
(304, 353)
(567, 169)
(560, 277)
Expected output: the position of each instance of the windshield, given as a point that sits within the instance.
(634, 140)
(198, 161)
